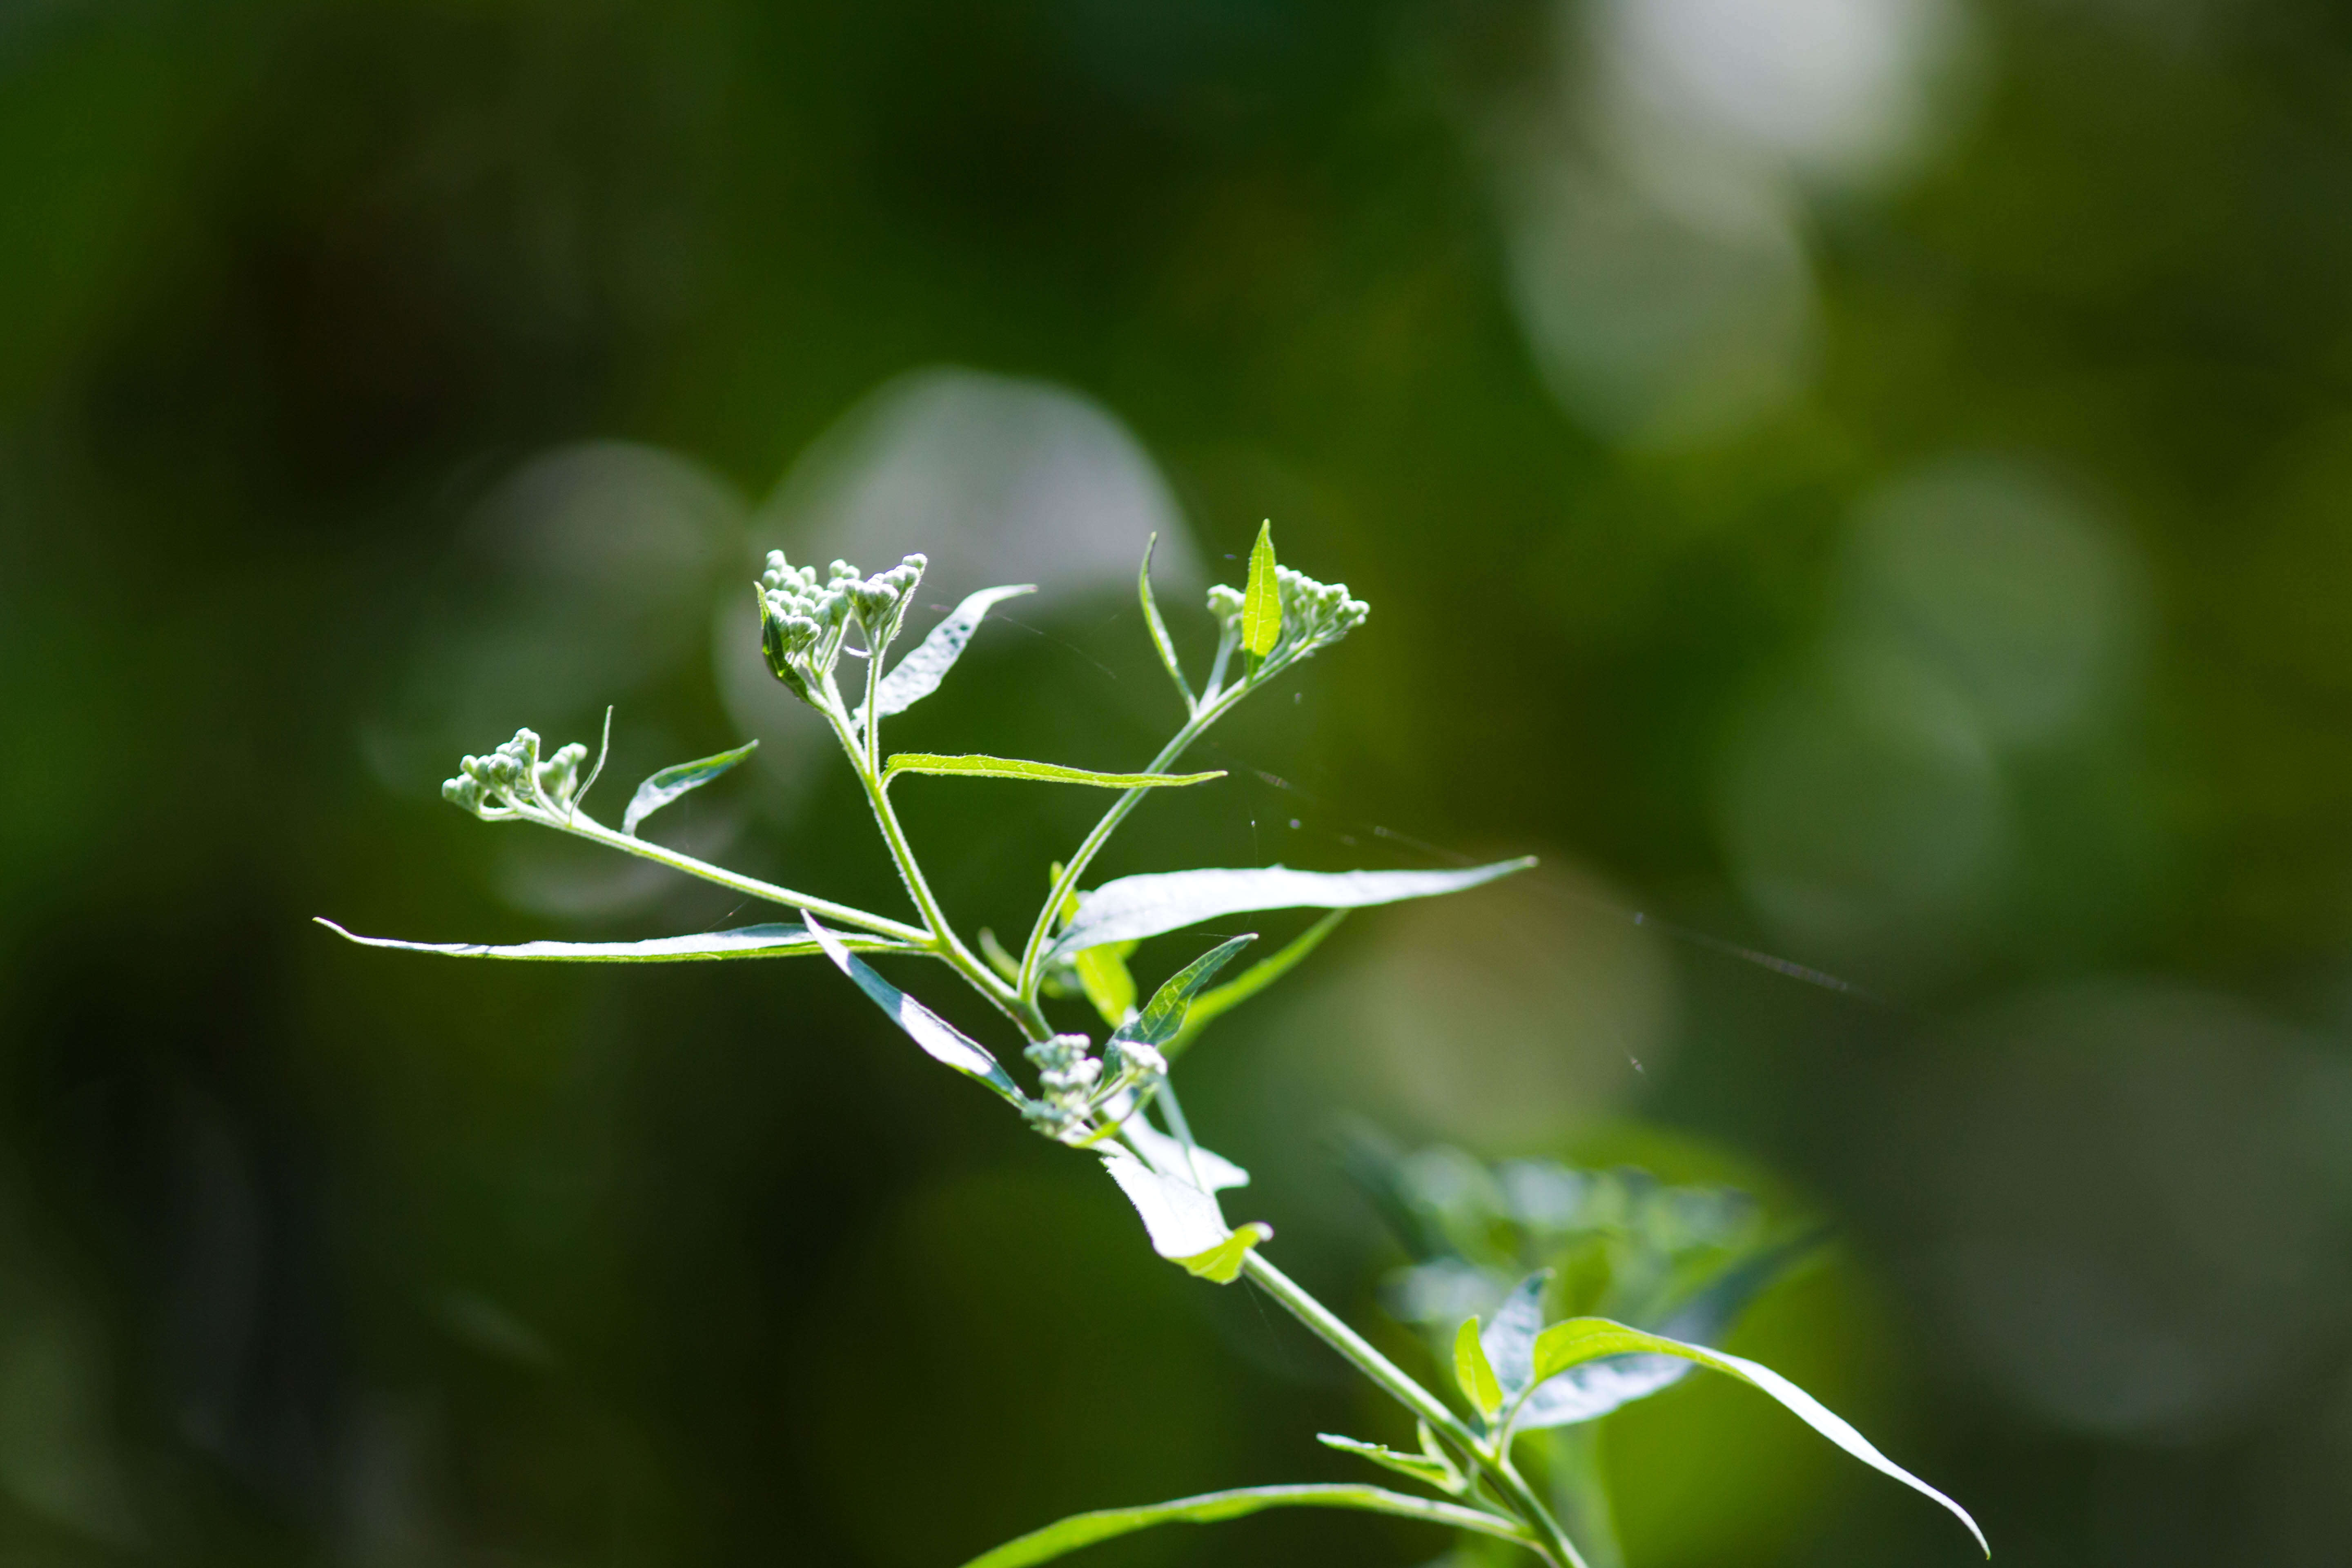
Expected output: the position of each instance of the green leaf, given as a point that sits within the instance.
(919, 673)
(1581, 1339)
(1147, 906)
(1104, 1524)
(1103, 976)
(1433, 1472)
(1510, 1336)
(1222, 1264)
(1473, 1373)
(1034, 773)
(1590, 1391)
(670, 782)
(940, 1040)
(1210, 1004)
(1262, 598)
(744, 942)
(1158, 1022)
(1158, 628)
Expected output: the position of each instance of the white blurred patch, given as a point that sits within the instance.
(1654, 203)
(2011, 591)
(1983, 610)
(1838, 87)
(1651, 328)
(1507, 1014)
(995, 479)
(2135, 1201)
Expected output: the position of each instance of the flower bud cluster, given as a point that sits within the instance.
(1314, 615)
(804, 622)
(1067, 1076)
(512, 781)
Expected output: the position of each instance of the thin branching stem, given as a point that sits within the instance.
(1033, 952)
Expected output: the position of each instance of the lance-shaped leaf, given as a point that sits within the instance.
(1139, 907)
(670, 782)
(1034, 772)
(1594, 1388)
(1473, 1373)
(1510, 1336)
(1210, 1004)
(1164, 1014)
(1261, 597)
(1158, 628)
(744, 942)
(1104, 1524)
(1433, 1470)
(1581, 1339)
(919, 673)
(940, 1040)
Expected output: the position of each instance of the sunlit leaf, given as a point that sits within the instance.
(1103, 976)
(1034, 772)
(1222, 1264)
(1157, 627)
(1087, 1528)
(1146, 906)
(1262, 598)
(1181, 1219)
(1509, 1337)
(940, 1039)
(1581, 1339)
(744, 942)
(1160, 1021)
(670, 782)
(1433, 1472)
(1472, 1373)
(1173, 1157)
(919, 673)
(1207, 1007)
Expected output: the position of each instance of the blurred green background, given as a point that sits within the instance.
(1865, 485)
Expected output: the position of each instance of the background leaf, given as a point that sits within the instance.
(777, 940)
(666, 785)
(1145, 906)
(1510, 1336)
(1085, 1528)
(919, 673)
(975, 767)
(1103, 976)
(1594, 1388)
(1578, 1340)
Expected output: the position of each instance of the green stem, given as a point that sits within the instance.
(1032, 954)
(941, 937)
(582, 825)
(1496, 1466)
